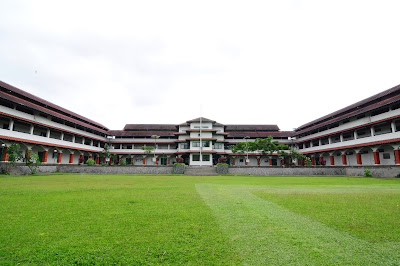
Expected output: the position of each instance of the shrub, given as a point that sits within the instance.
(104, 164)
(179, 163)
(222, 163)
(90, 162)
(122, 162)
(222, 160)
(308, 161)
(180, 160)
(367, 172)
(33, 162)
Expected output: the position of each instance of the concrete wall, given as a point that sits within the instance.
(377, 171)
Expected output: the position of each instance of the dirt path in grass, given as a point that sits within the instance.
(266, 233)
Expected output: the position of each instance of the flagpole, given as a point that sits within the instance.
(201, 144)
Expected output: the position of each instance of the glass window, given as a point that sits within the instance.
(206, 157)
(218, 146)
(196, 157)
(206, 143)
(196, 143)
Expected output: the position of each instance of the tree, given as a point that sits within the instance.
(105, 153)
(147, 149)
(33, 162)
(14, 155)
(266, 146)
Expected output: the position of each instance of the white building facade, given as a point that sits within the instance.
(364, 133)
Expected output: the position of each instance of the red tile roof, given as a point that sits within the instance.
(150, 127)
(34, 106)
(260, 134)
(39, 101)
(141, 133)
(373, 102)
(229, 128)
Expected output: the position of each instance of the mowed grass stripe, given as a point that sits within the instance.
(265, 233)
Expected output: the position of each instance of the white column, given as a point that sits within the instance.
(330, 140)
(73, 138)
(48, 133)
(355, 134)
(62, 135)
(341, 137)
(31, 129)
(393, 125)
(11, 125)
(372, 131)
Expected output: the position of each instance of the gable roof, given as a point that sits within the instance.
(375, 101)
(251, 128)
(150, 127)
(36, 101)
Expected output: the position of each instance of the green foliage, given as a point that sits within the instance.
(105, 153)
(122, 162)
(147, 149)
(308, 161)
(179, 163)
(222, 164)
(103, 164)
(367, 172)
(266, 146)
(90, 162)
(33, 162)
(14, 155)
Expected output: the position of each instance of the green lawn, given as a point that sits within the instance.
(132, 219)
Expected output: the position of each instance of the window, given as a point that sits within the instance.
(196, 157)
(184, 146)
(196, 143)
(218, 146)
(206, 157)
(386, 156)
(206, 143)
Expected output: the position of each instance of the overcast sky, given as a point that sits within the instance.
(236, 62)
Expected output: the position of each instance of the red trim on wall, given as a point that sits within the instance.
(344, 159)
(354, 146)
(376, 158)
(45, 143)
(45, 125)
(44, 156)
(359, 160)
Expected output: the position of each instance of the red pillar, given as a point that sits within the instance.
(44, 156)
(312, 160)
(59, 156)
(156, 160)
(234, 161)
(71, 158)
(270, 161)
(168, 161)
(332, 159)
(90, 157)
(344, 159)
(397, 156)
(5, 154)
(258, 161)
(144, 160)
(245, 162)
(98, 160)
(359, 160)
(376, 157)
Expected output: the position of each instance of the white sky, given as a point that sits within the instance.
(246, 62)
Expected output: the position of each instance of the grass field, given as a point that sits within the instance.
(128, 219)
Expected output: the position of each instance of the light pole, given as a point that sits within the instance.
(155, 137)
(54, 157)
(109, 146)
(247, 150)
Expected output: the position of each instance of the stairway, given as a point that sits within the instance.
(201, 170)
